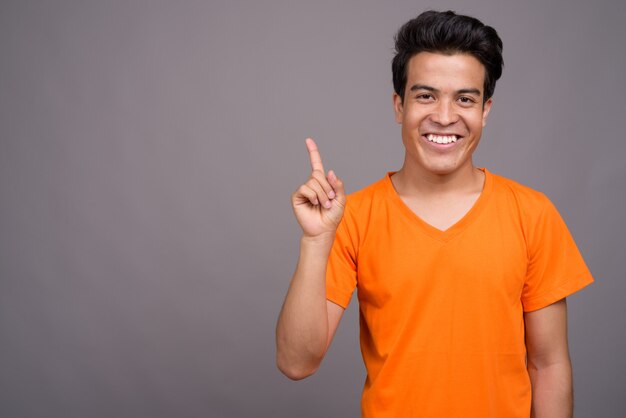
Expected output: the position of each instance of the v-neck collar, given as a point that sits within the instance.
(455, 229)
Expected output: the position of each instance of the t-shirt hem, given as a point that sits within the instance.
(557, 293)
(338, 297)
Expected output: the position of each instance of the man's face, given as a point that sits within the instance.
(443, 102)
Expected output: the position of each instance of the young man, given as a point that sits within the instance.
(461, 274)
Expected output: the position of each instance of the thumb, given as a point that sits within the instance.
(337, 185)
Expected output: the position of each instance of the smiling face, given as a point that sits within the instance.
(443, 114)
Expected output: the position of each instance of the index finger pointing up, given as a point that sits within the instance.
(314, 154)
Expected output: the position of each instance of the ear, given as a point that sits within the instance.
(486, 109)
(398, 108)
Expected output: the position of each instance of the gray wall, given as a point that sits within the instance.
(148, 151)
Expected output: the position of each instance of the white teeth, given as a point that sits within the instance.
(441, 139)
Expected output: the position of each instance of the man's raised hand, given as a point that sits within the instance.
(319, 203)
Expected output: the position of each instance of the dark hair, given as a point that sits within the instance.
(447, 33)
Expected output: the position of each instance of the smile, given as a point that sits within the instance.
(441, 139)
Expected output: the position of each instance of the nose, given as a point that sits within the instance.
(444, 113)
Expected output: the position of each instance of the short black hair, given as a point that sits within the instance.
(447, 33)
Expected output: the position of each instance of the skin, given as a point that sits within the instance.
(308, 321)
(549, 365)
(443, 95)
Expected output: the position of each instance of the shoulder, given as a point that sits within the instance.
(528, 200)
(363, 208)
(361, 201)
(531, 209)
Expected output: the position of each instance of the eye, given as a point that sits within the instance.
(467, 100)
(424, 97)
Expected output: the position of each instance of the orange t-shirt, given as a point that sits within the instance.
(441, 312)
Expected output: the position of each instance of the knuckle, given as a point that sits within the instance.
(317, 173)
(313, 183)
(321, 178)
(301, 189)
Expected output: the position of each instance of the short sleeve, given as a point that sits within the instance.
(556, 268)
(341, 270)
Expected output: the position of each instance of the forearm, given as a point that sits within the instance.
(302, 329)
(552, 391)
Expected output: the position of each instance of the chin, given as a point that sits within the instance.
(441, 167)
(442, 171)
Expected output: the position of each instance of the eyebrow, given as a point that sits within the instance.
(416, 87)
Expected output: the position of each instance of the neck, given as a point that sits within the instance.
(415, 181)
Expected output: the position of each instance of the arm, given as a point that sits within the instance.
(549, 365)
(307, 321)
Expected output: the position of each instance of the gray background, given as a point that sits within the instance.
(148, 151)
